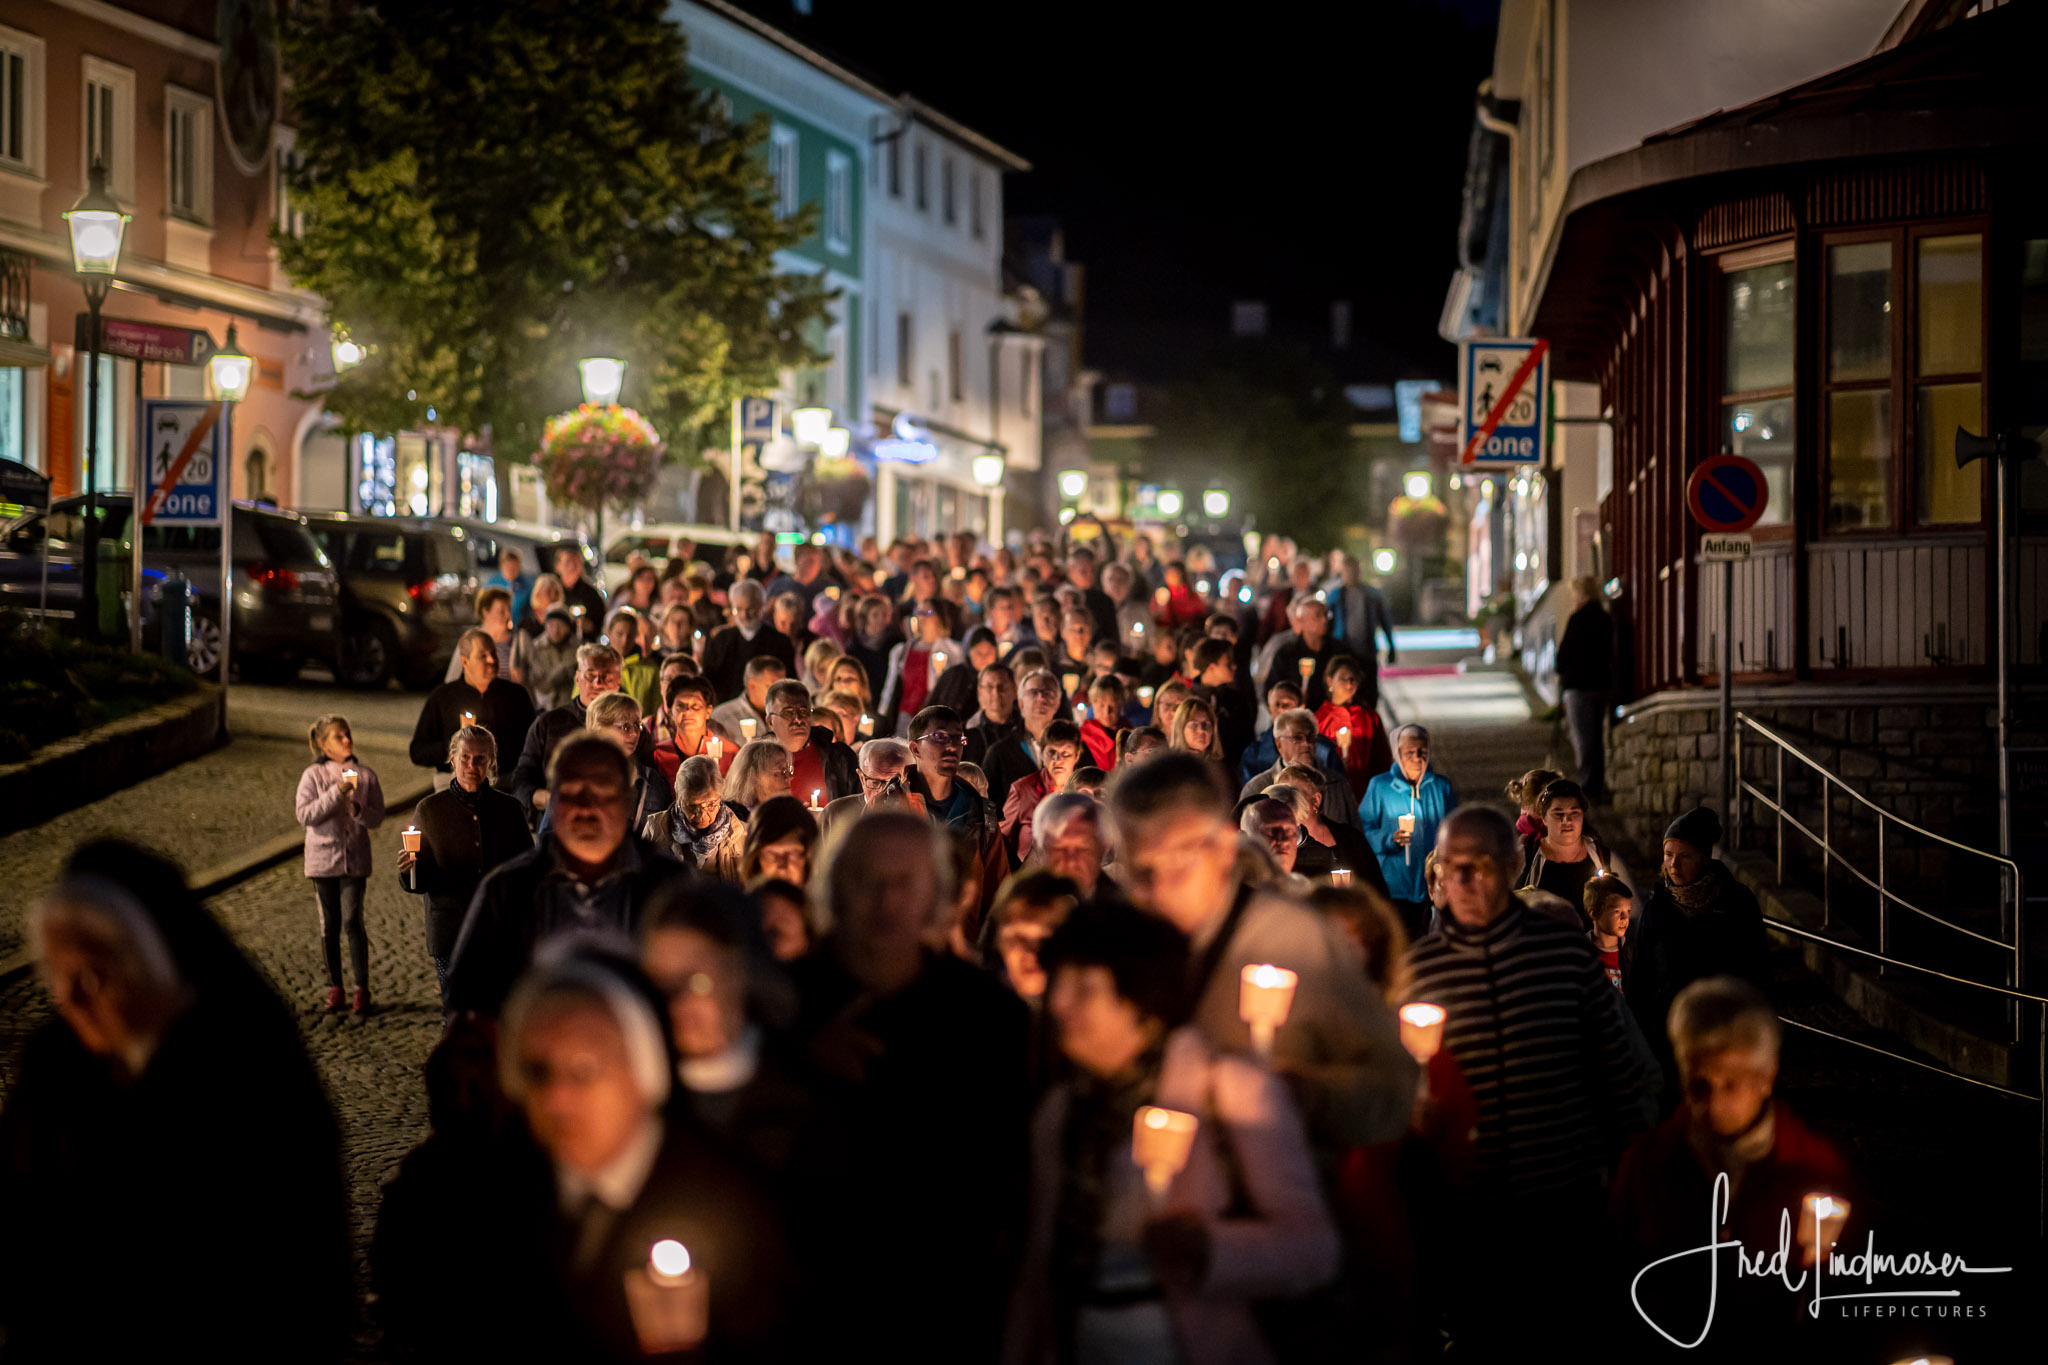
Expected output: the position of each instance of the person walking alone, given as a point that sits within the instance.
(339, 802)
(1585, 676)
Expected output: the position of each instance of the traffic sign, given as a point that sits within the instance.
(1503, 418)
(187, 463)
(146, 341)
(757, 420)
(1725, 549)
(1727, 493)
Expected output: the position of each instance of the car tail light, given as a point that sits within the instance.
(274, 576)
(438, 589)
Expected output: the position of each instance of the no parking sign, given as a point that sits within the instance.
(187, 459)
(1726, 495)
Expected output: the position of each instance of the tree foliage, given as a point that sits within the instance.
(494, 189)
(1262, 420)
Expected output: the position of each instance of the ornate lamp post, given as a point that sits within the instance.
(97, 225)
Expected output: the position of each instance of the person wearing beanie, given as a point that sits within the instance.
(1697, 921)
(545, 664)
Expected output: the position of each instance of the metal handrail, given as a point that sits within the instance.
(1776, 804)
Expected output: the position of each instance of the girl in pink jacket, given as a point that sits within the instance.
(339, 803)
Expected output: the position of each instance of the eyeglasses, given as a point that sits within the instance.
(789, 716)
(869, 780)
(944, 739)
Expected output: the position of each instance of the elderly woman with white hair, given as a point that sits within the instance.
(582, 1196)
(701, 829)
(168, 1097)
(1399, 813)
(1725, 1034)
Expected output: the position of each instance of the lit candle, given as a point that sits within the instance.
(468, 719)
(1161, 1140)
(714, 746)
(1145, 697)
(348, 775)
(747, 727)
(939, 661)
(1308, 669)
(1344, 739)
(1003, 648)
(1162, 597)
(669, 1300)
(1340, 876)
(832, 592)
(1821, 1217)
(1138, 628)
(410, 838)
(1081, 710)
(1073, 682)
(959, 571)
(867, 724)
(575, 611)
(817, 799)
(1422, 1030)
(1407, 827)
(1264, 995)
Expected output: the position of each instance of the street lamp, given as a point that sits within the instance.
(231, 371)
(1415, 484)
(1383, 561)
(809, 425)
(1170, 503)
(838, 441)
(347, 354)
(97, 225)
(1073, 483)
(988, 470)
(1216, 504)
(603, 377)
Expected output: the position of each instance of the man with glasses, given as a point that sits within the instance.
(597, 672)
(1059, 752)
(937, 741)
(882, 766)
(1040, 701)
(1297, 743)
(825, 769)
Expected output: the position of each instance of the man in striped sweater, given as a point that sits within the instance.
(1538, 1032)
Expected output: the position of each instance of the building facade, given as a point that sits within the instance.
(187, 122)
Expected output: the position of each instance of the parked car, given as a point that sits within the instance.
(535, 543)
(286, 602)
(408, 590)
(657, 541)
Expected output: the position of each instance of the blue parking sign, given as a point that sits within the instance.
(186, 469)
(1504, 394)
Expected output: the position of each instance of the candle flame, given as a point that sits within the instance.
(1422, 1015)
(669, 1258)
(1155, 1118)
(1268, 977)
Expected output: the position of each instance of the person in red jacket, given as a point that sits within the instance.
(1177, 604)
(1059, 753)
(1355, 728)
(1106, 699)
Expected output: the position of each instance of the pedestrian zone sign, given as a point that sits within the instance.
(1504, 417)
(187, 463)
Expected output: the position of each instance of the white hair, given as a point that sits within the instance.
(1054, 813)
(579, 979)
(885, 749)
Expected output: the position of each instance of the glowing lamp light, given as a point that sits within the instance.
(231, 370)
(1456, 483)
(1383, 560)
(669, 1260)
(1170, 503)
(97, 226)
(1073, 482)
(347, 354)
(1066, 515)
(1216, 503)
(988, 470)
(603, 377)
(1415, 485)
(809, 425)
(838, 440)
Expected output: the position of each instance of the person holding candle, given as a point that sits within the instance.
(1308, 642)
(164, 1087)
(466, 830)
(744, 718)
(1726, 1036)
(339, 801)
(850, 676)
(1352, 723)
(477, 693)
(916, 665)
(1295, 743)
(690, 705)
(824, 769)
(1326, 844)
(1177, 851)
(1112, 1270)
(1399, 813)
(1560, 1082)
(588, 876)
(701, 830)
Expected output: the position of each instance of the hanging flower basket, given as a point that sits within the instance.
(599, 456)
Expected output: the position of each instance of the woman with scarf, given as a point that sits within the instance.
(1697, 922)
(1134, 1265)
(700, 829)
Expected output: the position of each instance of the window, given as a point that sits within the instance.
(920, 191)
(188, 150)
(21, 101)
(107, 123)
(974, 218)
(290, 219)
(1904, 367)
(906, 359)
(946, 209)
(896, 164)
(1120, 402)
(14, 417)
(782, 164)
(838, 202)
(1758, 308)
(956, 379)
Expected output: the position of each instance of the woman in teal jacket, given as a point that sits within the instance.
(1410, 787)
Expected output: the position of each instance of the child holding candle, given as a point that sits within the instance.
(1110, 1269)
(339, 802)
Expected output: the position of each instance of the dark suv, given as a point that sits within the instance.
(285, 602)
(408, 588)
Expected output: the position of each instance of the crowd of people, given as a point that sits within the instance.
(1049, 955)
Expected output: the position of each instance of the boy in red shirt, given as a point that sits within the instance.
(1609, 903)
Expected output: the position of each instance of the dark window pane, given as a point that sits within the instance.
(1859, 311)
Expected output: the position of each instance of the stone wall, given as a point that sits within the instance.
(85, 767)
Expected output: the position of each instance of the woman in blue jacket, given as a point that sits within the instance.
(1409, 788)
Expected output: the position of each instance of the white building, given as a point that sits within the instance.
(948, 367)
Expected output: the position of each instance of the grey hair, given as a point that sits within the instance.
(697, 776)
(1299, 722)
(593, 986)
(1294, 798)
(112, 916)
(1722, 1014)
(748, 589)
(477, 737)
(894, 750)
(1260, 811)
(843, 843)
(1056, 812)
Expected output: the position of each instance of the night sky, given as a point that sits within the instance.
(1297, 154)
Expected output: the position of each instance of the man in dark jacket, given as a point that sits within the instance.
(597, 672)
(1308, 641)
(1040, 701)
(825, 768)
(584, 598)
(478, 697)
(1585, 674)
(729, 649)
(589, 875)
(465, 831)
(1103, 610)
(995, 695)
